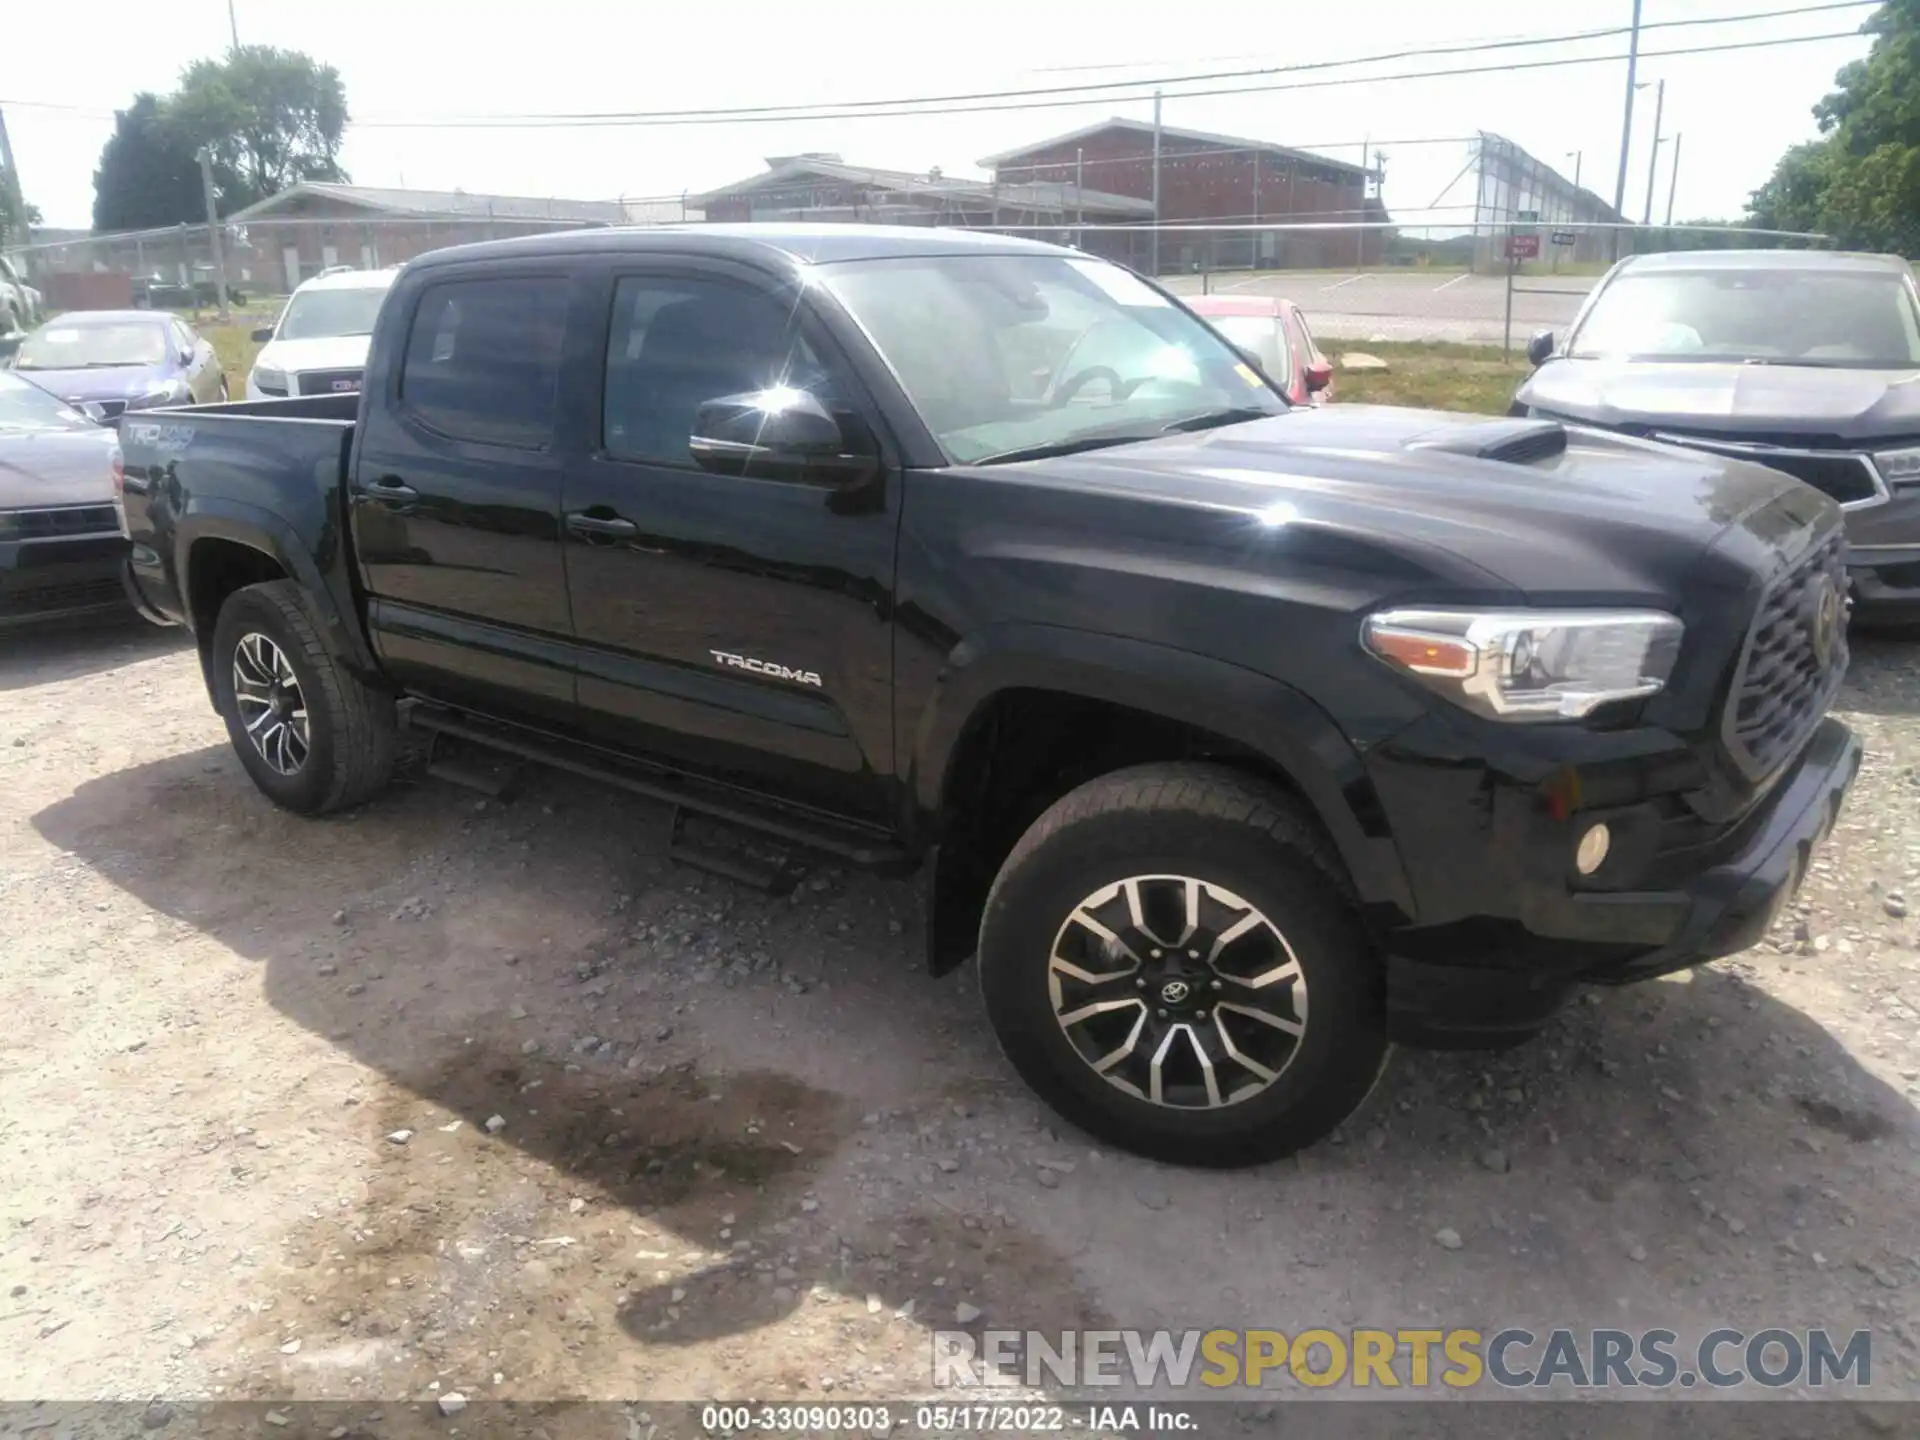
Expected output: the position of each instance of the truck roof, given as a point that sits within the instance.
(805, 244)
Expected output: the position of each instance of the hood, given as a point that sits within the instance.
(1856, 405)
(323, 352)
(1603, 516)
(55, 467)
(106, 382)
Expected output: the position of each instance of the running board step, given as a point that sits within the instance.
(849, 841)
(774, 879)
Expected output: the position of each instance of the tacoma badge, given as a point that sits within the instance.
(764, 667)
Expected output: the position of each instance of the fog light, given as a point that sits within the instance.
(1592, 853)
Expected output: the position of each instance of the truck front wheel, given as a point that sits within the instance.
(1169, 959)
(311, 734)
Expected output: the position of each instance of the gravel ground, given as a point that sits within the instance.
(451, 1095)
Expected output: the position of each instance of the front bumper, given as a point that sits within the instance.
(1612, 937)
(58, 579)
(1885, 580)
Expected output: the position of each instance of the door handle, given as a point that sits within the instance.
(391, 489)
(585, 522)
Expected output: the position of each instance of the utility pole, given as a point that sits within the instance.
(1673, 177)
(6, 148)
(213, 234)
(1626, 126)
(1360, 235)
(1153, 251)
(1079, 196)
(1653, 160)
(233, 27)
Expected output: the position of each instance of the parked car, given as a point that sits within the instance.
(319, 346)
(122, 360)
(1199, 706)
(62, 552)
(19, 301)
(156, 292)
(1274, 332)
(1804, 360)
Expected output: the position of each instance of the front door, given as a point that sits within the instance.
(739, 625)
(455, 496)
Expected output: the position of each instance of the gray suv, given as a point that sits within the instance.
(1807, 361)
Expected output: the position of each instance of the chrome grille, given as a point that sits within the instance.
(1785, 681)
(67, 520)
(328, 382)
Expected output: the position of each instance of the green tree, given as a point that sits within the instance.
(147, 175)
(1860, 182)
(17, 217)
(270, 117)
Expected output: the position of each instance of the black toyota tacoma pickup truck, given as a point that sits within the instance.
(1240, 741)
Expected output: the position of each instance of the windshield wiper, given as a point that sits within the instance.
(1063, 447)
(1213, 419)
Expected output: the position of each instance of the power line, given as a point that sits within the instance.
(670, 119)
(962, 103)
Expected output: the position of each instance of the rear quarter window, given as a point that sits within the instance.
(483, 359)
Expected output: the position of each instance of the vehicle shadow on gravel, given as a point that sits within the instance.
(1884, 676)
(683, 1054)
(77, 650)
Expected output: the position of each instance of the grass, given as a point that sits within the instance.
(1431, 375)
(236, 347)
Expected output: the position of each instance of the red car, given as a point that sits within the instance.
(1276, 331)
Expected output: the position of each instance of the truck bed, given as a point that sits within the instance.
(263, 467)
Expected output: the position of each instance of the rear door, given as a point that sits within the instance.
(737, 625)
(455, 492)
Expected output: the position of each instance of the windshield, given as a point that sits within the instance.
(1827, 318)
(314, 314)
(1262, 334)
(1007, 353)
(24, 406)
(61, 346)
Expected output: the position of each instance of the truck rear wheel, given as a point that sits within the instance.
(1169, 958)
(311, 734)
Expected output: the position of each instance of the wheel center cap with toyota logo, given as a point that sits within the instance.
(1175, 992)
(1823, 625)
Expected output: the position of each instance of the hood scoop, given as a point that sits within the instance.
(1517, 442)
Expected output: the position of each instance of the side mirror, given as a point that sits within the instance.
(1540, 348)
(1319, 376)
(261, 337)
(93, 410)
(781, 433)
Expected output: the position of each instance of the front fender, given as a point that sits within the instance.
(1255, 711)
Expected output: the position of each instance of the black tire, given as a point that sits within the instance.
(351, 728)
(1228, 831)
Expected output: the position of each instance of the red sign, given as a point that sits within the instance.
(1523, 247)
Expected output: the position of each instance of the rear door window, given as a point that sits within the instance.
(483, 359)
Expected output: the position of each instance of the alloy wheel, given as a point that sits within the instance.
(1177, 991)
(272, 707)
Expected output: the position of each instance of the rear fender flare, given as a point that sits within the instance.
(274, 537)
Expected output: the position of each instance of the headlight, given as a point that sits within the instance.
(269, 381)
(170, 393)
(1529, 664)
(1899, 467)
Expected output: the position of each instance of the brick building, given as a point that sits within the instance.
(1210, 177)
(822, 187)
(274, 245)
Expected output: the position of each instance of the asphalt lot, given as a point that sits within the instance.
(1409, 305)
(745, 1147)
